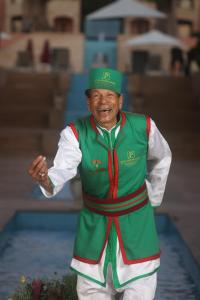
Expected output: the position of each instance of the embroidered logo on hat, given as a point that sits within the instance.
(106, 76)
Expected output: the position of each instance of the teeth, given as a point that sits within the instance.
(104, 109)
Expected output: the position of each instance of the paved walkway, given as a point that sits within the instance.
(16, 190)
(181, 199)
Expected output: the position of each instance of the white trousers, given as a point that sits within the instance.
(141, 289)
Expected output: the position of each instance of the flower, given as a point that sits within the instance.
(36, 288)
(23, 279)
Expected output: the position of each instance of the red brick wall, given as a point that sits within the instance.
(2, 14)
(198, 17)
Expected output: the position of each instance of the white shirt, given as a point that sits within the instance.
(64, 168)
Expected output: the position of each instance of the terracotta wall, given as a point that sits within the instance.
(2, 20)
(75, 44)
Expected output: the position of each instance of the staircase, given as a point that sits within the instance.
(29, 117)
(171, 104)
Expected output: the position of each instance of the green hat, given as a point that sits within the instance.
(104, 78)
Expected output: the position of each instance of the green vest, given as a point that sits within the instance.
(114, 191)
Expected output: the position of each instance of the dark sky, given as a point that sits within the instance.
(89, 6)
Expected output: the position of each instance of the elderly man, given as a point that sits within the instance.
(123, 161)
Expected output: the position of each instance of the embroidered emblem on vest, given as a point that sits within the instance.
(131, 158)
(130, 154)
(96, 162)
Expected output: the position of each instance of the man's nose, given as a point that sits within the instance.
(103, 99)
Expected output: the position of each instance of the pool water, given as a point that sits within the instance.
(174, 280)
(37, 244)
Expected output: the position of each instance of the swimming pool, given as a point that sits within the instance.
(38, 244)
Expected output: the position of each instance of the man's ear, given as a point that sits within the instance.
(121, 101)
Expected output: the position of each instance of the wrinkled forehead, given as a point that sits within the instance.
(91, 92)
(102, 91)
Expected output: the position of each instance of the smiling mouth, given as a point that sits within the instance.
(104, 110)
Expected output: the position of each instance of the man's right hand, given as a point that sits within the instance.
(38, 170)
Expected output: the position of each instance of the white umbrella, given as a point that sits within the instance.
(155, 37)
(123, 9)
(4, 36)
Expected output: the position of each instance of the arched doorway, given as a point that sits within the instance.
(16, 24)
(139, 26)
(63, 24)
(184, 28)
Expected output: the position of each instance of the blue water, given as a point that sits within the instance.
(40, 244)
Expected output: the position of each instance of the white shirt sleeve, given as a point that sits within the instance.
(158, 164)
(65, 162)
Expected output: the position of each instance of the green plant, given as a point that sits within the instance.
(44, 289)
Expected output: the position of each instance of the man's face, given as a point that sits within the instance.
(104, 106)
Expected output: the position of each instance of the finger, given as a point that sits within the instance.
(38, 168)
(35, 163)
(44, 168)
(43, 173)
(40, 165)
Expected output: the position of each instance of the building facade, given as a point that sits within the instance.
(182, 20)
(36, 24)
(38, 15)
(64, 15)
(187, 14)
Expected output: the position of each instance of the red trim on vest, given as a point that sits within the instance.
(118, 213)
(73, 128)
(85, 260)
(123, 205)
(148, 125)
(92, 261)
(114, 200)
(123, 120)
(93, 124)
(110, 173)
(116, 168)
(125, 259)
